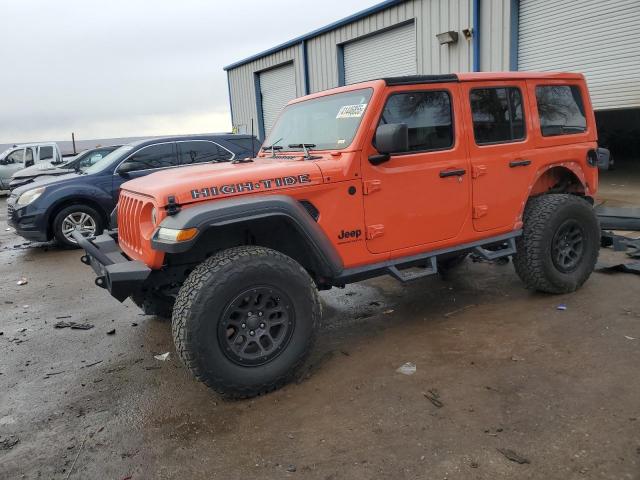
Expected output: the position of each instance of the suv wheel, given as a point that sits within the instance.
(559, 246)
(245, 320)
(76, 217)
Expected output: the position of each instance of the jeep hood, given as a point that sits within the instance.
(222, 180)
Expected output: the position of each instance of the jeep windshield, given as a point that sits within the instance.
(328, 123)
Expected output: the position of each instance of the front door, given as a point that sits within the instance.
(13, 162)
(149, 159)
(420, 196)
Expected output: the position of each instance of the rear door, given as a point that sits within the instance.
(420, 196)
(502, 151)
(146, 160)
(45, 154)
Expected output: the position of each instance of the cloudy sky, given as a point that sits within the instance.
(122, 68)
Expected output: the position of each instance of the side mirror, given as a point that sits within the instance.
(390, 138)
(125, 168)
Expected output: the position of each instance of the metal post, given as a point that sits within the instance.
(73, 140)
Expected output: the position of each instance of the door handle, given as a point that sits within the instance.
(452, 173)
(519, 163)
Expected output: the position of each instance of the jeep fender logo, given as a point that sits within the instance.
(348, 235)
(264, 184)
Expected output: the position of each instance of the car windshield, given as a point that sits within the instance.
(104, 162)
(327, 123)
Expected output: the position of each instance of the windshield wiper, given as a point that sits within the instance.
(273, 147)
(304, 146)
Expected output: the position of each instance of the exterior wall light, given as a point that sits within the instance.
(449, 37)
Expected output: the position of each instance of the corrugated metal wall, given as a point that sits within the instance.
(599, 39)
(242, 86)
(431, 17)
(495, 31)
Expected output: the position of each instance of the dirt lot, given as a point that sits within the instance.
(559, 388)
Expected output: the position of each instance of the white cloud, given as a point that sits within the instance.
(133, 67)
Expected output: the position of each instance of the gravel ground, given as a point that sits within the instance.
(501, 375)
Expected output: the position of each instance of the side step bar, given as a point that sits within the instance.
(490, 249)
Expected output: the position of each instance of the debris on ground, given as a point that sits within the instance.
(111, 332)
(516, 358)
(561, 307)
(407, 369)
(7, 443)
(73, 325)
(513, 456)
(60, 317)
(22, 281)
(629, 338)
(618, 218)
(163, 357)
(631, 267)
(620, 243)
(291, 468)
(387, 312)
(434, 397)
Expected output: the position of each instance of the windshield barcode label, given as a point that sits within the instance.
(351, 111)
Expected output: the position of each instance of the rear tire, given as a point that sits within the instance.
(245, 320)
(559, 246)
(82, 217)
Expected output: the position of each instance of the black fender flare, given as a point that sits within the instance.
(245, 209)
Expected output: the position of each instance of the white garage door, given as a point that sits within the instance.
(277, 88)
(598, 38)
(387, 54)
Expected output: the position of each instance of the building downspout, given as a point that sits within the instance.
(476, 35)
(230, 102)
(305, 66)
(514, 34)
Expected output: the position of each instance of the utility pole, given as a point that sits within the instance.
(73, 140)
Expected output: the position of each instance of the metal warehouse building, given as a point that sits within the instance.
(600, 38)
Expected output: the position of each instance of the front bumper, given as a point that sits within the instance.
(28, 221)
(115, 272)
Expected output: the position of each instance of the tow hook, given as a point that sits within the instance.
(100, 281)
(85, 259)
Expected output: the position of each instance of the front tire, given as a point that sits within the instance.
(76, 217)
(245, 320)
(559, 246)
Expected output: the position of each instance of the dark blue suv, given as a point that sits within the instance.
(55, 207)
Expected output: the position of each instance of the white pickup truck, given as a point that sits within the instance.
(23, 156)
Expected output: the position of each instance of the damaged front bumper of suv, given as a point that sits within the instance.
(115, 271)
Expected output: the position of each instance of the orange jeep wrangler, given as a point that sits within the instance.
(399, 176)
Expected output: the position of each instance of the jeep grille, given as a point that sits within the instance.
(129, 209)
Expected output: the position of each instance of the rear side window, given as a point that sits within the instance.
(561, 110)
(497, 115)
(46, 153)
(202, 151)
(155, 156)
(427, 115)
(248, 144)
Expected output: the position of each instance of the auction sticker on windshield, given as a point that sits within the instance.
(351, 111)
